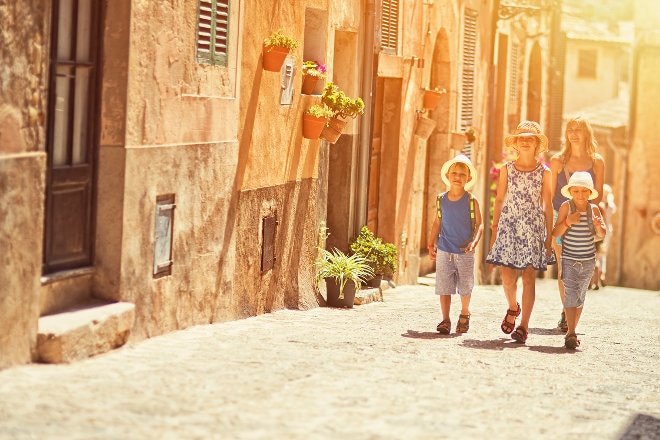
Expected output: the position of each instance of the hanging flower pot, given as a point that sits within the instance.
(309, 84)
(275, 49)
(432, 97)
(425, 127)
(333, 130)
(312, 126)
(274, 57)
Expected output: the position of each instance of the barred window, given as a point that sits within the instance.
(513, 73)
(213, 32)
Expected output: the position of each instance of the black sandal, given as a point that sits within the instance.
(444, 327)
(507, 327)
(463, 324)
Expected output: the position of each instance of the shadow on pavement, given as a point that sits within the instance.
(552, 350)
(545, 331)
(426, 335)
(642, 427)
(493, 344)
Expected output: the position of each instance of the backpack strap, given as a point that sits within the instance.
(590, 216)
(437, 204)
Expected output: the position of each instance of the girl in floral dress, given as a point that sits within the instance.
(522, 224)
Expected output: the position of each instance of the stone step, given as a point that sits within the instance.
(87, 330)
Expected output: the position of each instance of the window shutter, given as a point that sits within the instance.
(389, 26)
(213, 31)
(469, 57)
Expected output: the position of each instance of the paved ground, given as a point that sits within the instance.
(377, 371)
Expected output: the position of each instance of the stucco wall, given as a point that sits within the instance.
(23, 77)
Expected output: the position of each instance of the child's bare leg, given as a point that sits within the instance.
(528, 295)
(465, 304)
(572, 318)
(560, 284)
(445, 305)
(510, 288)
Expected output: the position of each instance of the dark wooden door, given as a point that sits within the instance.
(72, 134)
(375, 160)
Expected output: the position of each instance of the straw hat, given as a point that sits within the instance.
(581, 179)
(460, 158)
(528, 128)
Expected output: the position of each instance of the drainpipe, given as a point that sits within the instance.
(364, 147)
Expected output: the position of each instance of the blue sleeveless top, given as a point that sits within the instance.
(456, 224)
(558, 199)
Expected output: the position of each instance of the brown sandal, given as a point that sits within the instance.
(444, 328)
(571, 341)
(520, 335)
(507, 327)
(463, 324)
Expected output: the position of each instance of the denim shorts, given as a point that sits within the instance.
(576, 276)
(454, 273)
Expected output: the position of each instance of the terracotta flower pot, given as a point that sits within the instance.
(309, 84)
(274, 57)
(431, 99)
(425, 127)
(312, 126)
(333, 130)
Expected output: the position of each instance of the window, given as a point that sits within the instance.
(163, 235)
(469, 56)
(587, 63)
(213, 32)
(513, 73)
(389, 25)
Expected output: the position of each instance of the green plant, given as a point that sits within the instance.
(382, 257)
(437, 90)
(312, 68)
(277, 38)
(342, 268)
(319, 111)
(341, 105)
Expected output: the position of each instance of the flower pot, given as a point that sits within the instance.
(274, 57)
(312, 126)
(424, 127)
(333, 294)
(375, 281)
(309, 84)
(431, 99)
(333, 129)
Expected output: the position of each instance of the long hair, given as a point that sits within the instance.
(590, 141)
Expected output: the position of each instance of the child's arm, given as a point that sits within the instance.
(479, 229)
(561, 226)
(546, 195)
(599, 222)
(502, 187)
(433, 238)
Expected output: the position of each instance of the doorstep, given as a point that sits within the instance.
(86, 330)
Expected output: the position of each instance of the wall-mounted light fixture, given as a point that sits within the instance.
(509, 10)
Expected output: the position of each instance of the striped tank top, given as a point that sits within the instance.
(578, 241)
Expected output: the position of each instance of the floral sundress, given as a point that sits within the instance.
(521, 229)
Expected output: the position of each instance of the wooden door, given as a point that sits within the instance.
(72, 135)
(375, 160)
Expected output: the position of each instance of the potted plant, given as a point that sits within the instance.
(431, 97)
(275, 49)
(314, 119)
(312, 73)
(380, 256)
(342, 107)
(343, 275)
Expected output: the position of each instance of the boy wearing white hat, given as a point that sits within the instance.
(578, 222)
(456, 230)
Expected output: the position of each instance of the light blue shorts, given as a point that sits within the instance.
(576, 276)
(454, 273)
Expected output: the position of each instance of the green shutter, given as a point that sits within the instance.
(213, 32)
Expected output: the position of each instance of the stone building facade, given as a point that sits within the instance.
(148, 160)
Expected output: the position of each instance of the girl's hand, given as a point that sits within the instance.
(573, 218)
(432, 252)
(548, 245)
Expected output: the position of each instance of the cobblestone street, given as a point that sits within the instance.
(377, 371)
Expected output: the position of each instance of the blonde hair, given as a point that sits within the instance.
(590, 142)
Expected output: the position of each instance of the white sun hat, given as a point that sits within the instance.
(582, 179)
(460, 158)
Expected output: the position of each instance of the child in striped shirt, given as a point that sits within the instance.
(578, 223)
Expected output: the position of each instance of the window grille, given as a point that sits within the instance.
(513, 73)
(213, 32)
